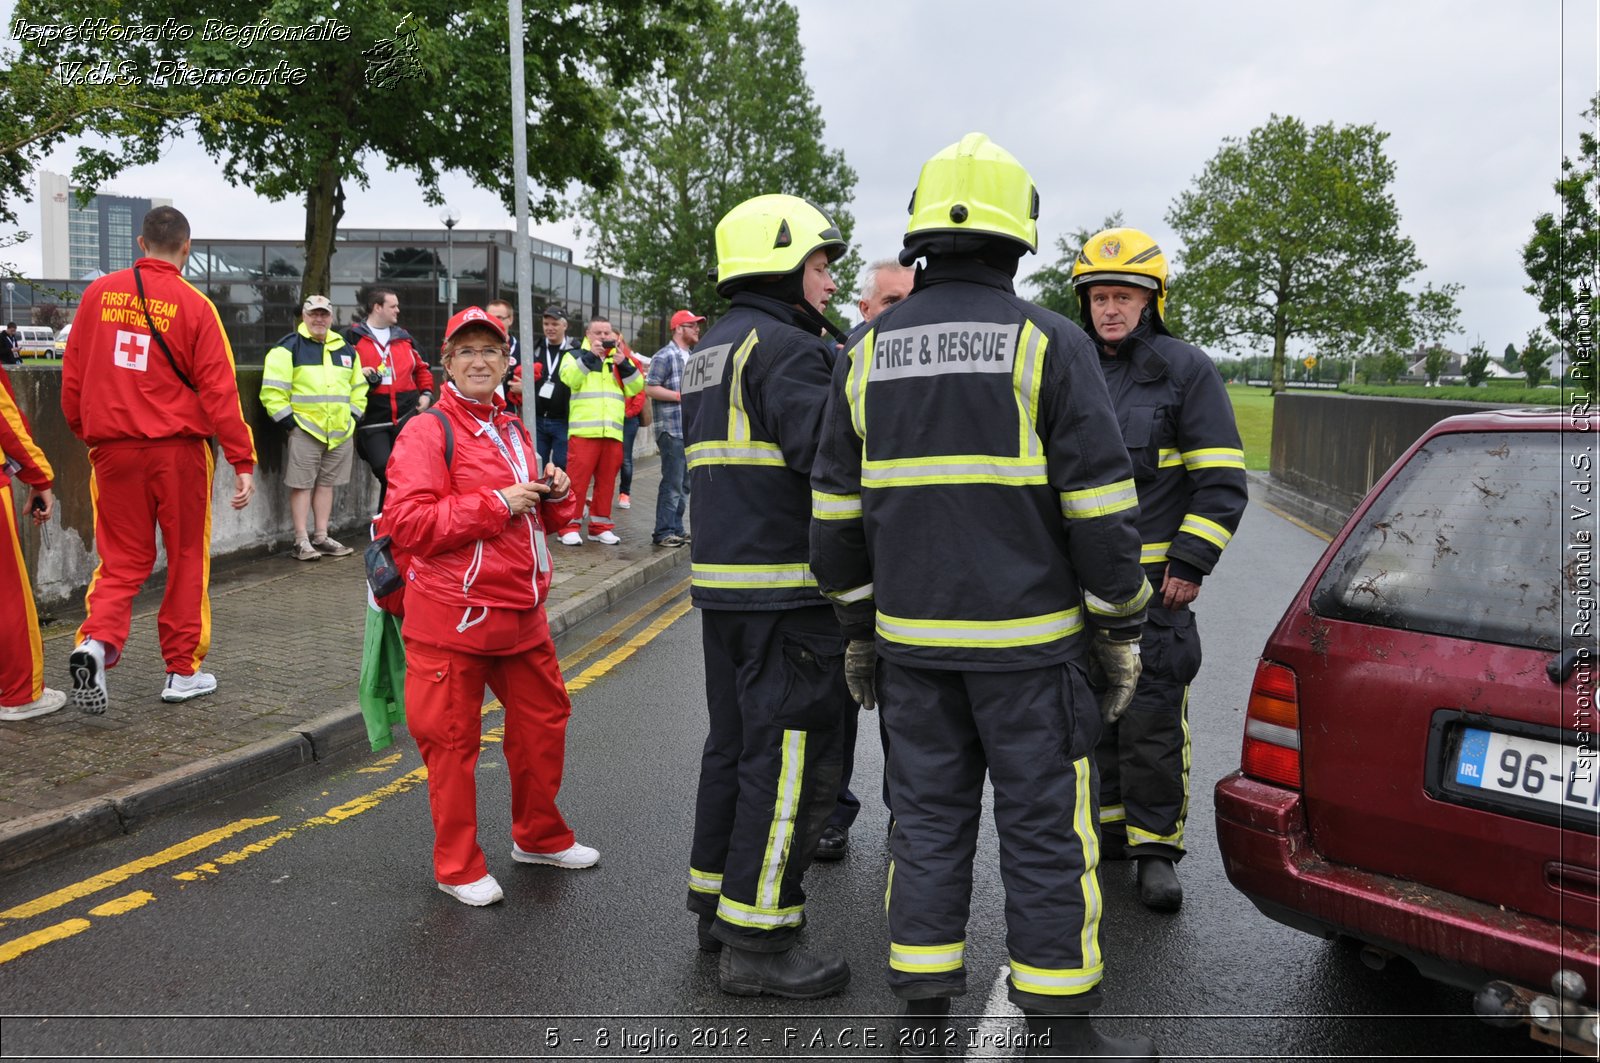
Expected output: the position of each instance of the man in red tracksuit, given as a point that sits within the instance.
(23, 694)
(398, 379)
(146, 379)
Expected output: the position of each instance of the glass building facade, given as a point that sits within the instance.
(256, 285)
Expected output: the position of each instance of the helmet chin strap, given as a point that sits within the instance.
(822, 321)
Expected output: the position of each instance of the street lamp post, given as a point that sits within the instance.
(450, 216)
(11, 286)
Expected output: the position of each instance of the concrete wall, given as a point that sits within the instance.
(61, 557)
(1333, 448)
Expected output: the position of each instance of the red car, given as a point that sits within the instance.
(1420, 767)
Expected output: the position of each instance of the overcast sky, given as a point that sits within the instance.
(1119, 107)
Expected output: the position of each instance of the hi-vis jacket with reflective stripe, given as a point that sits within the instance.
(1188, 462)
(320, 385)
(753, 394)
(971, 483)
(596, 410)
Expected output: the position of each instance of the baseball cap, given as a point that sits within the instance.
(474, 315)
(684, 317)
(555, 311)
(317, 302)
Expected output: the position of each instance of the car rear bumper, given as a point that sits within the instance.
(1267, 854)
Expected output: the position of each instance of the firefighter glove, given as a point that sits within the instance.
(1114, 670)
(860, 662)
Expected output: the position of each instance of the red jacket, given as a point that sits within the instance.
(467, 552)
(17, 446)
(390, 403)
(118, 389)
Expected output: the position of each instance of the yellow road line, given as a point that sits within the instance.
(107, 879)
(10, 950)
(124, 904)
(1296, 521)
(615, 631)
(628, 649)
(380, 766)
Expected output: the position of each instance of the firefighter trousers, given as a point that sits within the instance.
(1032, 732)
(135, 490)
(1144, 757)
(769, 773)
(21, 651)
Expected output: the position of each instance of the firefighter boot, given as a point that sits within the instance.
(1074, 1037)
(792, 973)
(1159, 888)
(924, 1029)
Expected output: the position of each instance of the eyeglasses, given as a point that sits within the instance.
(472, 354)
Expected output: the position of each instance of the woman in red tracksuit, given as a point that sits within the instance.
(23, 694)
(469, 506)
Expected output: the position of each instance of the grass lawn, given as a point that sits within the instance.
(1252, 409)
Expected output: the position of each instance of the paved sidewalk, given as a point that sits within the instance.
(286, 651)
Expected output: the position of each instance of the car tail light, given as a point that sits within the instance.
(1272, 727)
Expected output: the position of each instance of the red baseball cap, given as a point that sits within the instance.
(474, 315)
(684, 317)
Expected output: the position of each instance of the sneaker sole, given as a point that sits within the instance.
(88, 685)
(756, 989)
(169, 696)
(528, 858)
(471, 904)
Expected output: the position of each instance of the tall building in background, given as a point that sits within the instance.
(84, 242)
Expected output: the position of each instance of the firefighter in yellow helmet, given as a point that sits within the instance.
(1178, 424)
(753, 392)
(973, 512)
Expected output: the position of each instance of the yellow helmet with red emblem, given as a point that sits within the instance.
(1121, 256)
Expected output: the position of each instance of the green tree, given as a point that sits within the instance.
(1052, 284)
(695, 142)
(1537, 351)
(1476, 366)
(1512, 360)
(1562, 258)
(1292, 234)
(415, 85)
(1433, 363)
(1390, 366)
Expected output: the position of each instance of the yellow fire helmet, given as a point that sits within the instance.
(975, 186)
(770, 236)
(1121, 256)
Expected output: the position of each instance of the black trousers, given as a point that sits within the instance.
(375, 445)
(769, 773)
(1031, 732)
(1144, 757)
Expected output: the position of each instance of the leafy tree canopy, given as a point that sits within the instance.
(703, 131)
(1562, 258)
(1293, 233)
(420, 85)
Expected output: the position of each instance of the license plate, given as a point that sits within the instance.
(1529, 768)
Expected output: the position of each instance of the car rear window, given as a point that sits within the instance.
(1465, 541)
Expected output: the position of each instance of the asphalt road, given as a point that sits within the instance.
(300, 919)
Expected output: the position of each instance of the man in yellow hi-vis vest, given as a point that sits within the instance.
(312, 385)
(602, 378)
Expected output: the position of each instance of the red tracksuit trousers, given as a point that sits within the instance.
(137, 489)
(21, 652)
(599, 460)
(444, 713)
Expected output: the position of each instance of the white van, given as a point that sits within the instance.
(37, 341)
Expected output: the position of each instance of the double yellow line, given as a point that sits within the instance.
(665, 609)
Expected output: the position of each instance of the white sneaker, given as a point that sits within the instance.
(184, 687)
(574, 857)
(88, 667)
(608, 537)
(571, 538)
(484, 891)
(43, 705)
